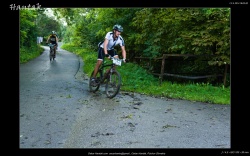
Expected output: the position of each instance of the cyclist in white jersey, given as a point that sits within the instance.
(107, 47)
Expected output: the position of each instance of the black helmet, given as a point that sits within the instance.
(118, 27)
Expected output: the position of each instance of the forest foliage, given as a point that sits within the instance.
(148, 32)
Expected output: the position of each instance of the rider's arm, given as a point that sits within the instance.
(123, 53)
(48, 39)
(105, 44)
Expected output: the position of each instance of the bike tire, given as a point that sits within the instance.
(94, 88)
(113, 84)
(50, 55)
(54, 54)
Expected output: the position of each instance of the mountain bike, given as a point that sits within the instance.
(111, 79)
(52, 51)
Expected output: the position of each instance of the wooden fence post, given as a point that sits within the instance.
(162, 68)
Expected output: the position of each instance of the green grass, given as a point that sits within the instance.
(137, 79)
(29, 53)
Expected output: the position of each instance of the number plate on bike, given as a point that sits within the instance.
(117, 62)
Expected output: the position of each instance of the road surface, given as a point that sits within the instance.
(58, 111)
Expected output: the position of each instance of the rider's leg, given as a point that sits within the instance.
(98, 63)
(100, 58)
(93, 78)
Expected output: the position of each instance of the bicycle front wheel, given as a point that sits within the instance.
(113, 84)
(50, 54)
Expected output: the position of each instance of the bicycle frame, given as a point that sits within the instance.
(52, 46)
(52, 51)
(111, 78)
(110, 70)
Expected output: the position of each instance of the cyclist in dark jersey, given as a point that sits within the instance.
(112, 39)
(53, 39)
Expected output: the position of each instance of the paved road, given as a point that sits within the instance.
(58, 111)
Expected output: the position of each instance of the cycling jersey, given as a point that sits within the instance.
(52, 39)
(113, 42)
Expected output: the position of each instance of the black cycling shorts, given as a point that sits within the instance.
(101, 54)
(54, 43)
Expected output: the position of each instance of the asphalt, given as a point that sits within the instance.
(58, 111)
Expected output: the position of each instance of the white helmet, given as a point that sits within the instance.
(118, 28)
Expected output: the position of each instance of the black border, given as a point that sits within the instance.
(239, 41)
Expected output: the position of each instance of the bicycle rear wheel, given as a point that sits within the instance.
(50, 54)
(54, 54)
(94, 88)
(113, 84)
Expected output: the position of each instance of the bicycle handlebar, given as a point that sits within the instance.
(50, 44)
(111, 58)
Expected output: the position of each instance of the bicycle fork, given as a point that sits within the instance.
(109, 76)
